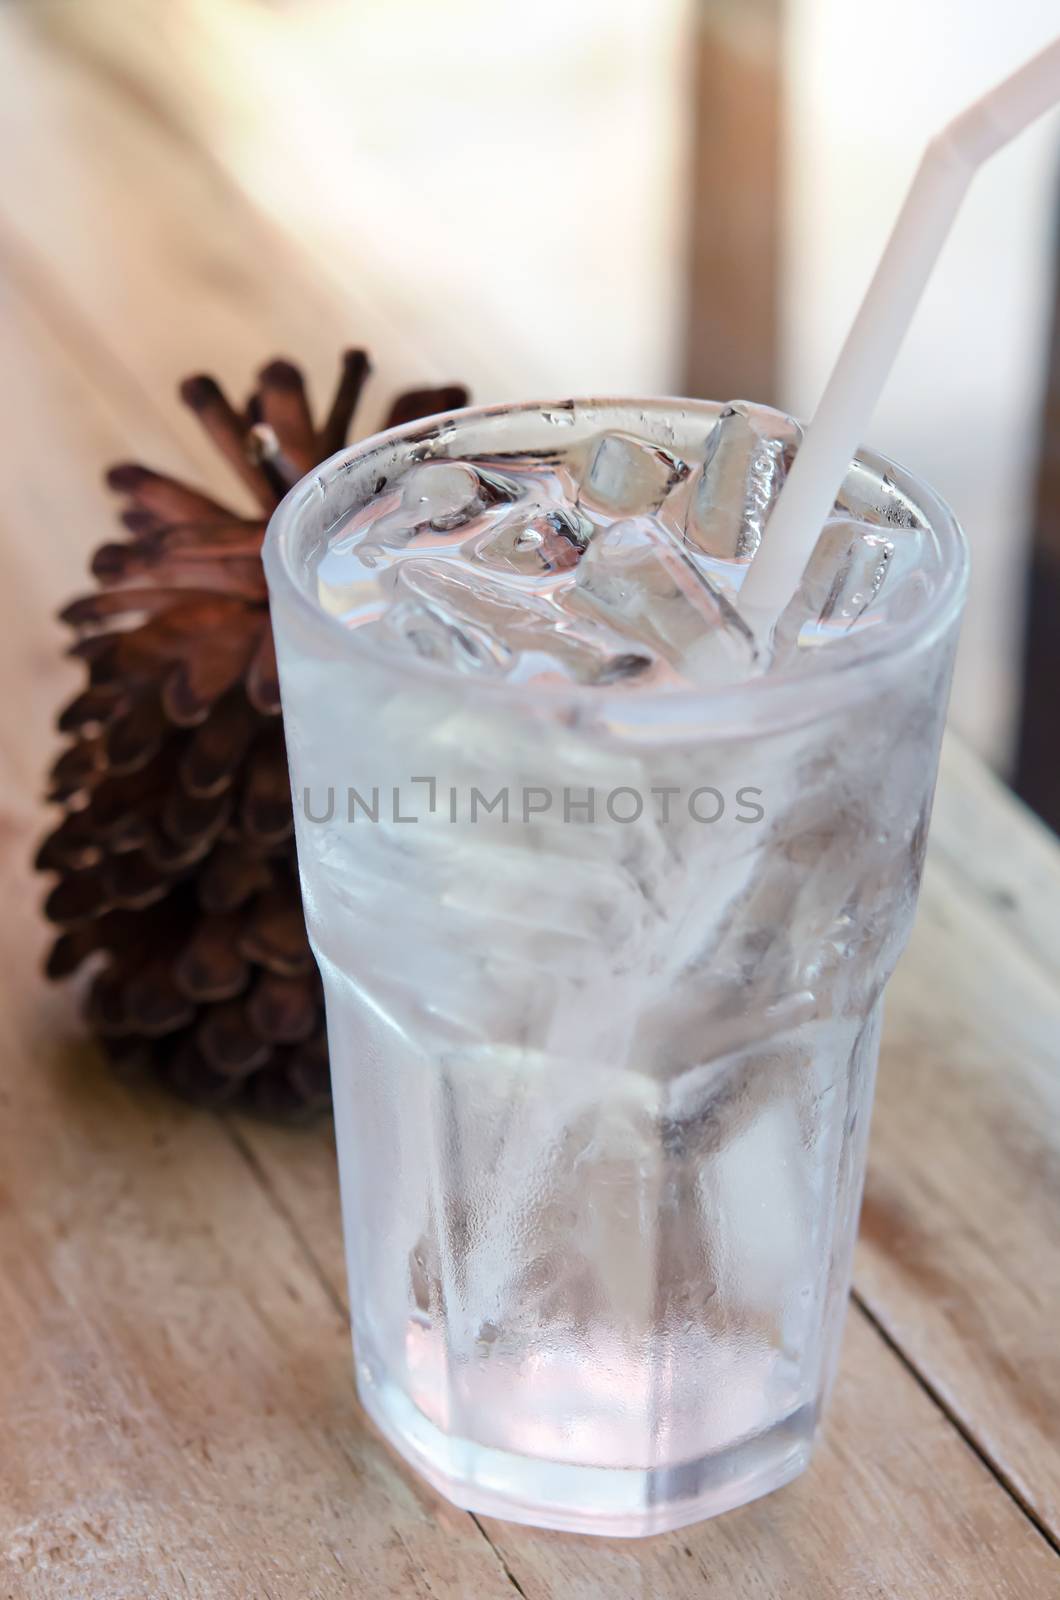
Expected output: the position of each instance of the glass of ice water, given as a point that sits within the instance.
(605, 894)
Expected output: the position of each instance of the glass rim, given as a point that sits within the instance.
(784, 697)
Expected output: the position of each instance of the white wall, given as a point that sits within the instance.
(866, 85)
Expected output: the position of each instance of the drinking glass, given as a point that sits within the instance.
(604, 969)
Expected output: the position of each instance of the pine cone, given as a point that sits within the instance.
(175, 852)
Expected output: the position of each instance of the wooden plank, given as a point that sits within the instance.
(1001, 852)
(957, 1259)
(176, 1411)
(734, 201)
(55, 434)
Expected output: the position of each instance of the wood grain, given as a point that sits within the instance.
(1001, 852)
(958, 1258)
(175, 1392)
(176, 1403)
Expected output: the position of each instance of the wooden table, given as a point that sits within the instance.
(177, 1414)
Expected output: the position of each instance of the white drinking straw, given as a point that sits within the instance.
(842, 418)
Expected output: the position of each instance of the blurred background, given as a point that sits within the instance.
(593, 195)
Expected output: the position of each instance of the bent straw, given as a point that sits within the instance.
(950, 162)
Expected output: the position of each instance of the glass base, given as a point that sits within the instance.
(624, 1503)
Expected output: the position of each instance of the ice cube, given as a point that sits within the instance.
(636, 577)
(842, 580)
(788, 929)
(442, 495)
(743, 472)
(532, 541)
(762, 1172)
(627, 475)
(439, 636)
(865, 497)
(857, 581)
(451, 614)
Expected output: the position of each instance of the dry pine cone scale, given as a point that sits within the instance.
(174, 853)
